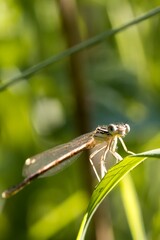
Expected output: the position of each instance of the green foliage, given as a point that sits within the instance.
(120, 74)
(111, 179)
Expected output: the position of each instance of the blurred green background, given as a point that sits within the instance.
(115, 81)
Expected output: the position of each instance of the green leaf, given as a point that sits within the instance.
(111, 179)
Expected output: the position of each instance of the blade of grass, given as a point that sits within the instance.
(111, 179)
(132, 208)
(88, 43)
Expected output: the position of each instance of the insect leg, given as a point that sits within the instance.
(90, 159)
(124, 146)
(102, 163)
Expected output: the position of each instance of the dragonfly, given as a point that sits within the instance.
(102, 141)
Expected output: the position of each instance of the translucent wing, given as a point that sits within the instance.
(39, 161)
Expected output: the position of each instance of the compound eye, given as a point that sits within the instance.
(112, 128)
(127, 128)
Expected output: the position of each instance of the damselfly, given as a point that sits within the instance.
(102, 141)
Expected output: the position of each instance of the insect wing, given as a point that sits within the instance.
(39, 161)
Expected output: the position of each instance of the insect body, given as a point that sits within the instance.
(102, 140)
